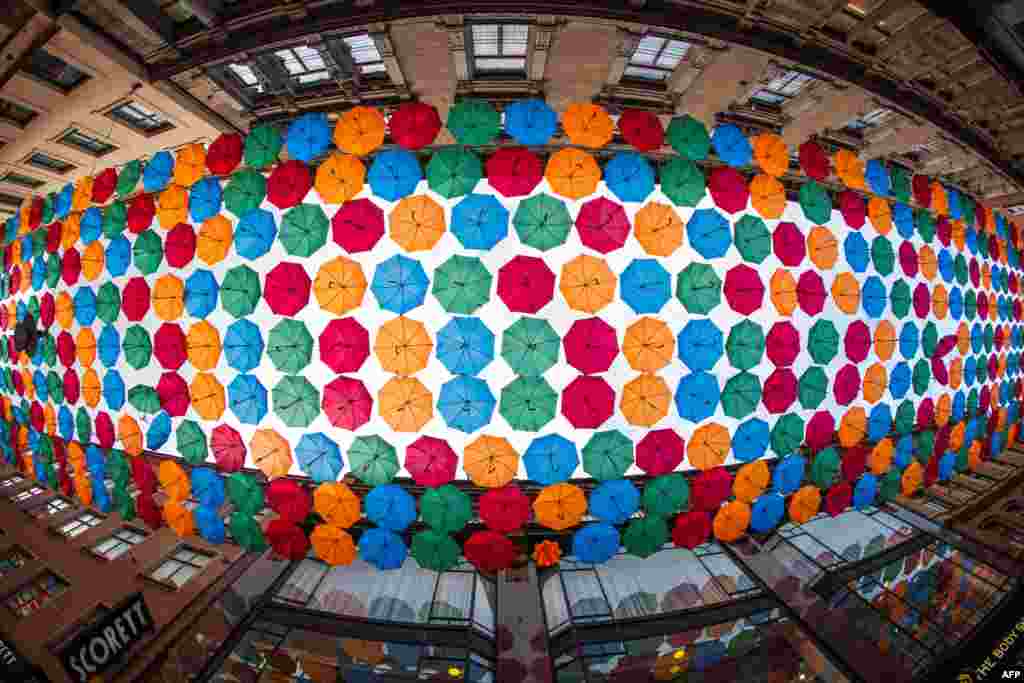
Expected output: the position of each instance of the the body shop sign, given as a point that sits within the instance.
(104, 644)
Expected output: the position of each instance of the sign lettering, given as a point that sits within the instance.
(105, 643)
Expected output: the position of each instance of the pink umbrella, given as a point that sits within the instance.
(908, 259)
(939, 371)
(347, 403)
(857, 341)
(358, 225)
(169, 346)
(228, 448)
(942, 439)
(810, 293)
(925, 413)
(660, 451)
(526, 284)
(783, 344)
(789, 244)
(780, 391)
(948, 343)
(821, 429)
(847, 384)
(851, 205)
(855, 461)
(923, 301)
(591, 345)
(344, 345)
(710, 489)
(982, 306)
(975, 272)
(287, 288)
(173, 393)
(603, 225)
(728, 189)
(588, 402)
(104, 428)
(514, 171)
(431, 461)
(743, 289)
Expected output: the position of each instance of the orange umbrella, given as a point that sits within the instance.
(50, 418)
(959, 235)
(339, 178)
(849, 169)
(709, 446)
(173, 206)
(940, 202)
(943, 410)
(767, 196)
(203, 346)
(214, 240)
(83, 487)
(804, 504)
(956, 373)
(130, 434)
(956, 436)
(26, 281)
(359, 131)
(645, 400)
(547, 553)
(92, 390)
(207, 396)
(82, 196)
(335, 502)
(963, 338)
(332, 544)
(771, 154)
(986, 276)
(271, 453)
(560, 506)
(572, 173)
(65, 310)
(587, 283)
(26, 378)
(85, 347)
(189, 164)
(822, 247)
(490, 461)
(731, 521)
(174, 480)
(403, 346)
(885, 340)
(169, 297)
(876, 381)
(76, 454)
(16, 252)
(93, 259)
(853, 426)
(658, 229)
(783, 292)
(846, 293)
(72, 231)
(880, 214)
(927, 262)
(751, 481)
(974, 455)
(340, 285)
(649, 344)
(405, 404)
(417, 223)
(588, 125)
(880, 458)
(179, 519)
(912, 478)
(940, 301)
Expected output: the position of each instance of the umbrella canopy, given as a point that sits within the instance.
(336, 503)
(405, 404)
(479, 222)
(602, 225)
(504, 509)
(344, 345)
(572, 173)
(417, 223)
(530, 122)
(466, 403)
(455, 171)
(660, 451)
(474, 122)
(340, 177)
(709, 234)
(815, 202)
(688, 137)
(709, 446)
(731, 521)
(728, 189)
(360, 130)
(255, 234)
(333, 545)
(595, 543)
(373, 460)
(286, 289)
(271, 453)
(389, 506)
(304, 230)
(403, 346)
(615, 501)
(731, 145)
(465, 346)
(649, 344)
(526, 284)
(394, 174)
(431, 461)
(588, 125)
(308, 136)
(347, 403)
(358, 225)
(243, 345)
(340, 285)
(446, 509)
(591, 345)
(290, 346)
(296, 401)
(400, 284)
(629, 177)
(489, 551)
(560, 506)
(382, 548)
(550, 459)
(490, 461)
(541, 221)
(435, 550)
(587, 283)
(414, 125)
(744, 291)
(607, 455)
(682, 182)
(288, 184)
(691, 529)
(262, 146)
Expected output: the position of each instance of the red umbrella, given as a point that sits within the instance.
(852, 206)
(173, 393)
(490, 551)
(414, 125)
(908, 259)
(588, 402)
(838, 498)
(54, 232)
(228, 448)
(286, 539)
(789, 244)
(71, 268)
(15, 278)
(180, 246)
(286, 288)
(47, 309)
(143, 476)
(526, 284)
(944, 230)
(926, 413)
(288, 184)
(344, 345)
(104, 428)
(148, 511)
(36, 416)
(66, 485)
(923, 301)
(19, 383)
(948, 343)
(821, 429)
(642, 129)
(728, 189)
(854, 463)
(814, 161)
(922, 188)
(931, 471)
(135, 299)
(5, 317)
(141, 212)
(783, 344)
(504, 509)
(997, 340)
(810, 293)
(289, 500)
(1013, 283)
(431, 461)
(847, 385)
(169, 346)
(710, 489)
(1018, 310)
(66, 349)
(660, 451)
(691, 529)
(939, 371)
(982, 304)
(780, 391)
(514, 171)
(975, 272)
(603, 225)
(347, 403)
(103, 186)
(744, 290)
(591, 345)
(224, 154)
(358, 225)
(857, 341)
(35, 213)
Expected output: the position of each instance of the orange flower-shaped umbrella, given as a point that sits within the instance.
(587, 283)
(804, 504)
(822, 247)
(658, 229)
(207, 396)
(547, 554)
(81, 198)
(885, 340)
(332, 544)
(846, 293)
(974, 455)
(490, 461)
(880, 214)
(50, 419)
(93, 259)
(403, 346)
(771, 154)
(731, 521)
(849, 169)
(85, 347)
(588, 125)
(92, 390)
(767, 196)
(189, 165)
(271, 452)
(940, 202)
(169, 297)
(203, 345)
(880, 458)
(179, 519)
(173, 206)
(72, 231)
(912, 478)
(340, 285)
(783, 292)
(876, 381)
(963, 338)
(214, 240)
(130, 435)
(75, 454)
(645, 400)
(572, 173)
(335, 502)
(560, 506)
(416, 223)
(649, 344)
(359, 131)
(174, 480)
(853, 427)
(709, 446)
(339, 178)
(405, 404)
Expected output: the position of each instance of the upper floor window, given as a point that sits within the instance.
(1016, 210)
(50, 68)
(17, 478)
(52, 508)
(83, 142)
(26, 494)
(180, 566)
(870, 120)
(655, 58)
(49, 163)
(36, 594)
(22, 180)
(304, 64)
(15, 113)
(783, 87)
(80, 524)
(118, 543)
(499, 49)
(139, 117)
(365, 54)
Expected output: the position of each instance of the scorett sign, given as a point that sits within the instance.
(106, 642)
(14, 668)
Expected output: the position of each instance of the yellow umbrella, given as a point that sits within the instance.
(172, 206)
(560, 506)
(649, 344)
(709, 446)
(174, 480)
(751, 481)
(271, 452)
(880, 458)
(332, 544)
(207, 396)
(822, 247)
(93, 259)
(340, 285)
(885, 340)
(731, 521)
(169, 297)
(359, 131)
(85, 347)
(572, 173)
(849, 169)
(928, 263)
(91, 388)
(339, 178)
(943, 410)
(853, 426)
(912, 478)
(767, 196)
(645, 400)
(876, 381)
(490, 461)
(403, 346)
(405, 404)
(804, 504)
(64, 308)
(335, 502)
(71, 232)
(130, 434)
(587, 283)
(81, 198)
(783, 292)
(189, 164)
(214, 240)
(771, 154)
(940, 301)
(416, 223)
(179, 519)
(588, 125)
(880, 214)
(203, 346)
(658, 229)
(846, 293)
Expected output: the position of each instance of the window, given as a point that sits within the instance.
(140, 117)
(55, 71)
(83, 142)
(13, 202)
(26, 494)
(36, 594)
(247, 77)
(119, 543)
(12, 559)
(365, 54)
(305, 65)
(48, 163)
(23, 180)
(870, 120)
(80, 525)
(52, 508)
(783, 87)
(180, 566)
(16, 479)
(1016, 210)
(499, 49)
(15, 113)
(655, 58)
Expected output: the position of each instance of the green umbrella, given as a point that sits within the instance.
(752, 239)
(889, 486)
(892, 570)
(823, 342)
(925, 224)
(108, 302)
(454, 171)
(825, 468)
(607, 455)
(899, 298)
(137, 347)
(922, 376)
(899, 180)
(296, 401)
(83, 425)
(49, 349)
(373, 460)
(645, 536)
(745, 345)
(904, 421)
(924, 445)
(966, 206)
(262, 145)
(240, 291)
(682, 182)
(740, 395)
(128, 178)
(245, 493)
(542, 222)
(446, 508)
(787, 434)
(124, 504)
(930, 338)
(118, 468)
(192, 442)
(304, 230)
(33, 307)
(960, 269)
(246, 532)
(699, 288)
(435, 550)
(689, 137)
(144, 399)
(530, 346)
(812, 387)
(245, 191)
(54, 387)
(970, 305)
(983, 245)
(972, 402)
(50, 198)
(39, 241)
(528, 403)
(115, 218)
(989, 336)
(53, 268)
(462, 284)
(45, 449)
(474, 122)
(815, 202)
(148, 252)
(666, 495)
(290, 346)
(963, 458)
(882, 255)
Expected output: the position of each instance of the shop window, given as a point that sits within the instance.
(180, 566)
(118, 543)
(52, 508)
(79, 525)
(36, 594)
(10, 482)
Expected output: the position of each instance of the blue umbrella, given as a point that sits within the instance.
(709, 233)
(874, 297)
(39, 466)
(209, 524)
(319, 457)
(308, 136)
(856, 251)
(909, 340)
(21, 417)
(865, 491)
(201, 290)
(977, 337)
(946, 269)
(119, 256)
(479, 221)
(158, 172)
(394, 174)
(731, 145)
(750, 441)
(701, 344)
(550, 459)
(899, 380)
(953, 204)
(159, 431)
(95, 461)
(39, 380)
(903, 217)
(596, 543)
(113, 390)
(972, 241)
(247, 398)
(530, 122)
(20, 311)
(878, 177)
(614, 501)
(91, 225)
(789, 474)
(400, 284)
(645, 286)
(27, 247)
(382, 548)
(62, 204)
(390, 506)
(38, 272)
(904, 452)
(255, 234)
(204, 199)
(766, 512)
(879, 422)
(946, 465)
(697, 396)
(243, 345)
(970, 370)
(207, 487)
(100, 497)
(629, 177)
(109, 346)
(85, 306)
(465, 345)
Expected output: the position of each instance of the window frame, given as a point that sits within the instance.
(52, 508)
(67, 168)
(24, 495)
(171, 556)
(776, 97)
(16, 548)
(62, 139)
(15, 122)
(26, 181)
(128, 545)
(30, 583)
(84, 75)
(666, 71)
(477, 73)
(12, 480)
(127, 122)
(77, 521)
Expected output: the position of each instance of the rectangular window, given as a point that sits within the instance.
(83, 142)
(499, 49)
(55, 71)
(120, 542)
(15, 113)
(22, 180)
(35, 594)
(365, 54)
(140, 117)
(1016, 210)
(27, 494)
(870, 120)
(12, 559)
(655, 58)
(79, 525)
(52, 508)
(16, 479)
(783, 87)
(183, 564)
(247, 78)
(48, 163)
(306, 65)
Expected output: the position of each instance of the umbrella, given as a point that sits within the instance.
(179, 518)
(771, 154)
(648, 345)
(340, 285)
(530, 122)
(700, 344)
(340, 177)
(205, 199)
(344, 345)
(333, 545)
(172, 393)
(191, 442)
(446, 509)
(607, 455)
(751, 481)
(688, 137)
(168, 298)
(240, 291)
(691, 529)
(373, 460)
(708, 233)
(490, 551)
(822, 247)
(595, 543)
(744, 291)
(588, 125)
(804, 504)
(435, 550)
(403, 346)
(789, 474)
(815, 202)
(629, 177)
(414, 125)
(243, 345)
(113, 389)
(207, 396)
(479, 222)
(731, 521)
(882, 255)
(286, 289)
(745, 345)
(504, 509)
(289, 500)
(288, 184)
(462, 284)
(382, 548)
(465, 346)
(255, 234)
(490, 461)
(660, 451)
(455, 171)
(304, 230)
(180, 246)
(641, 129)
(682, 182)
(526, 284)
(572, 173)
(399, 284)
(319, 456)
(287, 539)
(560, 506)
(587, 284)
(812, 387)
(308, 137)
(390, 507)
(335, 502)
(394, 174)
(591, 345)
(474, 122)
(602, 225)
(550, 459)
(169, 345)
(271, 453)
(296, 401)
(358, 225)
(207, 487)
(360, 130)
(405, 404)
(541, 221)
(247, 398)
(224, 154)
(466, 403)
(767, 196)
(174, 481)
(200, 293)
(730, 145)
(417, 223)
(645, 536)
(431, 461)
(728, 189)
(820, 429)
(262, 146)
(766, 512)
(614, 501)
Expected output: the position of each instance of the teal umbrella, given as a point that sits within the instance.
(741, 395)
(815, 202)
(645, 536)
(262, 146)
(752, 239)
(303, 230)
(688, 137)
(474, 122)
(542, 222)
(296, 401)
(240, 291)
(446, 508)
(454, 171)
(745, 345)
(607, 455)
(373, 460)
(462, 284)
(882, 255)
(787, 434)
(290, 346)
(823, 342)
(812, 387)
(530, 346)
(665, 495)
(682, 182)
(245, 191)
(699, 288)
(528, 403)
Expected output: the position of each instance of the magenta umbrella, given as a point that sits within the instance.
(710, 489)
(514, 171)
(789, 244)
(504, 509)
(908, 259)
(810, 293)
(728, 189)
(344, 345)
(743, 289)
(431, 461)
(923, 300)
(358, 225)
(287, 288)
(857, 341)
(779, 391)
(821, 429)
(939, 371)
(591, 345)
(526, 284)
(851, 205)
(783, 344)
(603, 225)
(944, 230)
(847, 384)
(588, 402)
(347, 403)
(228, 448)
(660, 451)
(173, 393)
(947, 344)
(926, 413)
